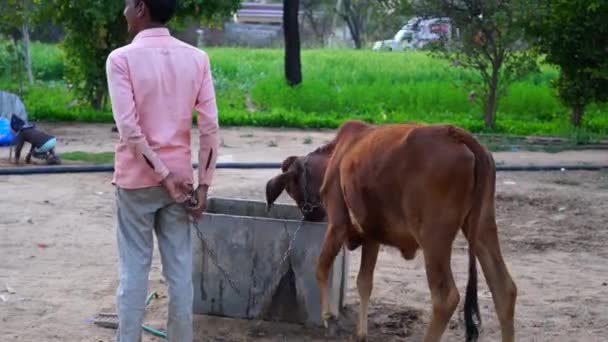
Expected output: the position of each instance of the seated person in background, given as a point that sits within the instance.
(43, 144)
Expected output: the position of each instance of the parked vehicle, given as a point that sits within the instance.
(416, 34)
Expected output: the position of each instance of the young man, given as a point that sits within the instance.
(155, 82)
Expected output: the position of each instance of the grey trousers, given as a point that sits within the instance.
(140, 213)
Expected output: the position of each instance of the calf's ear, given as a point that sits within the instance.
(287, 163)
(275, 186)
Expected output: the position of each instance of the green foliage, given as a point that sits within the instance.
(54, 101)
(343, 84)
(490, 43)
(48, 62)
(574, 35)
(95, 28)
(16, 13)
(16, 20)
(11, 61)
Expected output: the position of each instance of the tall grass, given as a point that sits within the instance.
(385, 87)
(341, 84)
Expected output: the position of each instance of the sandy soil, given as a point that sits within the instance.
(58, 253)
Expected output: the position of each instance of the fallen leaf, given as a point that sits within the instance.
(43, 245)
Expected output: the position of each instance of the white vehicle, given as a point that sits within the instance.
(417, 33)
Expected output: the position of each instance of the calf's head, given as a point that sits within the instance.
(301, 178)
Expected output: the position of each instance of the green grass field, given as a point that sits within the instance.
(89, 158)
(338, 85)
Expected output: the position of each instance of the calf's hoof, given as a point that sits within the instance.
(331, 324)
(361, 338)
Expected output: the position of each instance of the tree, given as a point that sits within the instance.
(490, 42)
(15, 20)
(94, 28)
(319, 24)
(366, 17)
(291, 33)
(354, 13)
(387, 17)
(573, 34)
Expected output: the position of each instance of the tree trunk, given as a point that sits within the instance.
(577, 115)
(291, 33)
(309, 14)
(336, 16)
(27, 51)
(96, 98)
(490, 110)
(356, 33)
(354, 30)
(353, 22)
(491, 102)
(18, 71)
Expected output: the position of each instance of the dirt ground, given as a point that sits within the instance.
(58, 263)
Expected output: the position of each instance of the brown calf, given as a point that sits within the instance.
(409, 186)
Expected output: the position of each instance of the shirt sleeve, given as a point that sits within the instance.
(125, 113)
(208, 126)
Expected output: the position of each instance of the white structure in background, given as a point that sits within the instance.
(417, 33)
(259, 13)
(256, 24)
(259, 23)
(11, 104)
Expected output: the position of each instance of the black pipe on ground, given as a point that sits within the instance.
(31, 170)
(579, 167)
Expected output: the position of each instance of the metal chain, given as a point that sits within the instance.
(193, 203)
(308, 207)
(214, 259)
(285, 256)
(213, 256)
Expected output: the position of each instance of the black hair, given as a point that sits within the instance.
(161, 11)
(17, 123)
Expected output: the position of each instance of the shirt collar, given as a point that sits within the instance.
(153, 32)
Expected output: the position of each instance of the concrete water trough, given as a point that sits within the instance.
(250, 244)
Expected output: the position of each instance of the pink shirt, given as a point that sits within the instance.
(155, 84)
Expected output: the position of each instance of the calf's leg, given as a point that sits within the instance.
(502, 287)
(437, 247)
(365, 279)
(333, 240)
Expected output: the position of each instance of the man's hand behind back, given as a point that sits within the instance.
(179, 188)
(201, 203)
